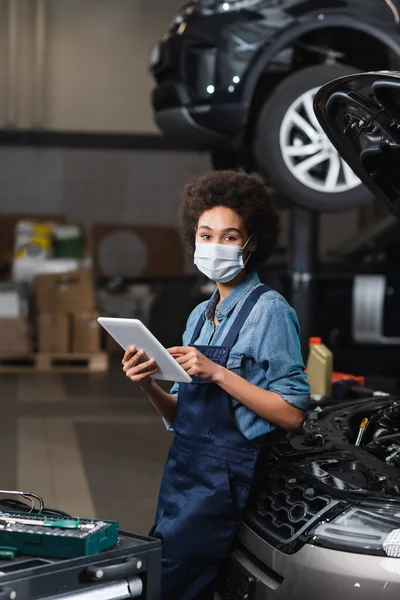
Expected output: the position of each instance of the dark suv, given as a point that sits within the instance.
(238, 77)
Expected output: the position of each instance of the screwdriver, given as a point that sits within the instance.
(363, 427)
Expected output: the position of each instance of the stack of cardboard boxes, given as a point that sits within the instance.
(66, 315)
(47, 299)
(15, 338)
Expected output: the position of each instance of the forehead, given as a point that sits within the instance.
(221, 217)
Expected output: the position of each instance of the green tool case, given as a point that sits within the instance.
(54, 537)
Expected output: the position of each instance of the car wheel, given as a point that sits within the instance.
(292, 151)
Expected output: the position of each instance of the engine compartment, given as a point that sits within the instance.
(328, 466)
(353, 447)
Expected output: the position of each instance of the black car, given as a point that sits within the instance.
(238, 77)
(326, 521)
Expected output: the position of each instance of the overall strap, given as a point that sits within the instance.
(239, 321)
(197, 329)
(244, 312)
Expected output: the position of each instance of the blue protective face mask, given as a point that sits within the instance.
(220, 262)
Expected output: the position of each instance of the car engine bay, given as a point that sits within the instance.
(363, 442)
(346, 455)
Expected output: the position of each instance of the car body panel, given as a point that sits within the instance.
(317, 572)
(230, 52)
(387, 33)
(336, 104)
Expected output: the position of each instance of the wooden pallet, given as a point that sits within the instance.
(54, 363)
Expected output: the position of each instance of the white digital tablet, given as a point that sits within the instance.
(132, 332)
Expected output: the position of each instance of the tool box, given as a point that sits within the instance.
(58, 537)
(129, 569)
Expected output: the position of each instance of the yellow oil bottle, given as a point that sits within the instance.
(319, 368)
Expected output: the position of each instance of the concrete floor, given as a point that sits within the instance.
(89, 444)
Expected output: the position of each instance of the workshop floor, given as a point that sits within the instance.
(89, 444)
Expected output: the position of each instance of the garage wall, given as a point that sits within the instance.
(96, 185)
(79, 65)
(117, 186)
(96, 71)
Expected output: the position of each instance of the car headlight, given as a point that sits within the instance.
(211, 7)
(370, 530)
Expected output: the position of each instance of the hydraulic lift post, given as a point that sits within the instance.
(304, 245)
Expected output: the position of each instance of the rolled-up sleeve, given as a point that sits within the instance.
(276, 346)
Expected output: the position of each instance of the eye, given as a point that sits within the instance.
(230, 238)
(205, 236)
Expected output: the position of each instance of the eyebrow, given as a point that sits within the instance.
(227, 230)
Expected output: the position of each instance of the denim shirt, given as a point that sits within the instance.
(266, 353)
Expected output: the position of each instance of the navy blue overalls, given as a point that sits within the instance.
(207, 479)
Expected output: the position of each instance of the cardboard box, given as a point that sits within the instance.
(65, 292)
(54, 333)
(86, 333)
(15, 336)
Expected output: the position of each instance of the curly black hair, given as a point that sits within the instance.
(242, 193)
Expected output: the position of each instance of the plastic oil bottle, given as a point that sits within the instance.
(319, 368)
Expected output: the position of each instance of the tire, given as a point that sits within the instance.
(275, 133)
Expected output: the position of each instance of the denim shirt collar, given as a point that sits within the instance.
(229, 303)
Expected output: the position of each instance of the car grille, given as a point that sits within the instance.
(286, 506)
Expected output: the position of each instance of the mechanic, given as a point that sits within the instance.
(242, 350)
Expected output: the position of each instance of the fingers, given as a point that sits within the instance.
(190, 363)
(179, 350)
(187, 358)
(144, 369)
(192, 370)
(134, 360)
(143, 376)
(194, 363)
(136, 365)
(129, 354)
(188, 354)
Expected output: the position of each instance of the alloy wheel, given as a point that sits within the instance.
(307, 152)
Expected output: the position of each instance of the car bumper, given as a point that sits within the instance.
(204, 123)
(263, 573)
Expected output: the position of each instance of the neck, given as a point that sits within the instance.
(225, 289)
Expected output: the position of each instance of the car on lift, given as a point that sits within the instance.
(326, 521)
(238, 78)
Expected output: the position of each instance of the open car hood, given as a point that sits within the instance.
(361, 116)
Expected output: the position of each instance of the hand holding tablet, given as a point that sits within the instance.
(133, 333)
(138, 367)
